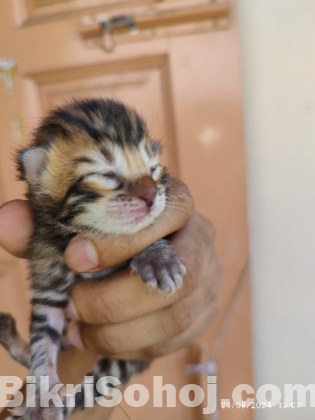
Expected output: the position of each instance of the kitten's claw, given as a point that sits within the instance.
(159, 267)
(17, 413)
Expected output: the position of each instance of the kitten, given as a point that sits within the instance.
(93, 169)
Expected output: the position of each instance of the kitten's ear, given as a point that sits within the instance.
(32, 163)
(156, 148)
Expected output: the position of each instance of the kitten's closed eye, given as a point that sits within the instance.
(109, 180)
(115, 177)
(111, 175)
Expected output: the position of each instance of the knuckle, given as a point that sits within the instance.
(191, 279)
(211, 287)
(182, 316)
(107, 344)
(206, 230)
(152, 352)
(191, 284)
(211, 279)
(109, 347)
(158, 350)
(209, 228)
(214, 305)
(106, 313)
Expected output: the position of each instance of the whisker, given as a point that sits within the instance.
(180, 203)
(178, 182)
(176, 209)
(179, 195)
(171, 200)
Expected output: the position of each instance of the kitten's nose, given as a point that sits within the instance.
(145, 189)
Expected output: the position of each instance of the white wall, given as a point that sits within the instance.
(278, 56)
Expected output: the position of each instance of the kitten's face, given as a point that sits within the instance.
(111, 190)
(87, 182)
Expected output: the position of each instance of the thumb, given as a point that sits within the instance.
(16, 227)
(83, 255)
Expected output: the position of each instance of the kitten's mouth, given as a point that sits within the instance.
(141, 214)
(137, 212)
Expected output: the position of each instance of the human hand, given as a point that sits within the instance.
(118, 316)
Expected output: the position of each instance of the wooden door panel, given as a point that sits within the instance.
(188, 89)
(32, 12)
(144, 84)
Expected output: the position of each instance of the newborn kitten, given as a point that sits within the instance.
(93, 169)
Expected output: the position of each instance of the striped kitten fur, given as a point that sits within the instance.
(93, 169)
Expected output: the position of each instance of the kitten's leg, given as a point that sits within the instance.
(159, 267)
(12, 341)
(47, 324)
(120, 369)
(20, 351)
(18, 348)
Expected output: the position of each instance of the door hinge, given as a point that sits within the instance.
(107, 30)
(7, 71)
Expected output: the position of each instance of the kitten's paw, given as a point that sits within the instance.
(7, 328)
(50, 413)
(17, 413)
(47, 413)
(159, 267)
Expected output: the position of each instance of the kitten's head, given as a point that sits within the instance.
(92, 167)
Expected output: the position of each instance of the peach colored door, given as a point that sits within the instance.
(186, 83)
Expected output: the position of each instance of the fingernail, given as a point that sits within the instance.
(81, 255)
(73, 335)
(71, 311)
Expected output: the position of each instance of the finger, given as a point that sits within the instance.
(175, 343)
(194, 243)
(140, 332)
(172, 344)
(16, 227)
(84, 255)
(123, 296)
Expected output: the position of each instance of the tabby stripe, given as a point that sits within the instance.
(37, 362)
(62, 289)
(39, 332)
(55, 283)
(50, 302)
(38, 354)
(79, 400)
(83, 159)
(103, 364)
(107, 155)
(139, 131)
(87, 197)
(123, 376)
(37, 318)
(69, 118)
(74, 189)
(164, 179)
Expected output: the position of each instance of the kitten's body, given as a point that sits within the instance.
(93, 169)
